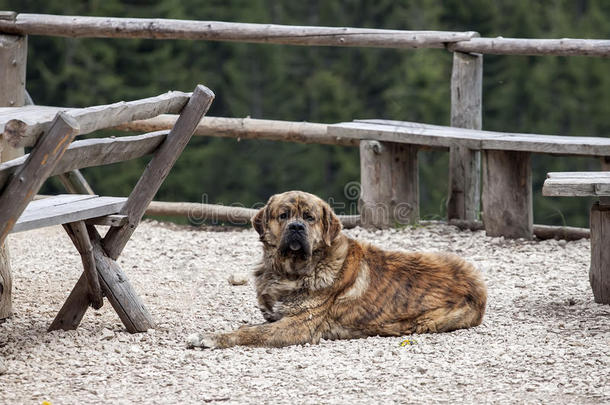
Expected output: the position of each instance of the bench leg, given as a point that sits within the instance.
(115, 287)
(599, 274)
(507, 194)
(78, 233)
(390, 184)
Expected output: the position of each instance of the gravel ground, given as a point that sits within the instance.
(543, 339)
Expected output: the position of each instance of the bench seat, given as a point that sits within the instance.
(590, 184)
(66, 208)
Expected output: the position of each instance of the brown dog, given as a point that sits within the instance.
(316, 283)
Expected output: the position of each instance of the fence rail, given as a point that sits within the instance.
(469, 41)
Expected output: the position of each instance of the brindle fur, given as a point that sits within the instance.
(348, 289)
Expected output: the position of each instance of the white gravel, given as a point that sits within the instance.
(543, 339)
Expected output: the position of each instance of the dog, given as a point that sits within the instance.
(317, 283)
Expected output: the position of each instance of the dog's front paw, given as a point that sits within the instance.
(203, 340)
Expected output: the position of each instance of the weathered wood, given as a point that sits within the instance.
(95, 152)
(115, 286)
(158, 169)
(78, 233)
(231, 215)
(13, 58)
(28, 179)
(108, 220)
(104, 27)
(247, 128)
(22, 126)
(605, 163)
(74, 182)
(118, 290)
(577, 184)
(442, 136)
(599, 273)
(389, 184)
(6, 283)
(507, 194)
(527, 46)
(66, 208)
(466, 112)
(73, 310)
(542, 232)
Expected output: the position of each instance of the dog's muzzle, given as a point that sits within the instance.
(295, 241)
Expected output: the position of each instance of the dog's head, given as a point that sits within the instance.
(295, 224)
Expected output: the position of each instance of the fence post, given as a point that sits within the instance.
(13, 56)
(466, 112)
(389, 184)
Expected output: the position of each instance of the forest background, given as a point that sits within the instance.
(536, 94)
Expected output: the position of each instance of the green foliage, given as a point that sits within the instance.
(554, 95)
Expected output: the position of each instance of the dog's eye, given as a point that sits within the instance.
(283, 215)
(308, 217)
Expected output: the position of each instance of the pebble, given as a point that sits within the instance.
(238, 279)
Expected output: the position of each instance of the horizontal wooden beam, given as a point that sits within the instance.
(110, 27)
(247, 128)
(443, 136)
(542, 232)
(212, 212)
(94, 152)
(534, 47)
(469, 41)
(21, 126)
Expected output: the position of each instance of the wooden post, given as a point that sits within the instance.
(463, 202)
(605, 163)
(13, 57)
(389, 184)
(507, 194)
(599, 273)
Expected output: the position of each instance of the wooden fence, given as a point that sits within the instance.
(466, 99)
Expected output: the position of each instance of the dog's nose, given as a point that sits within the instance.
(296, 226)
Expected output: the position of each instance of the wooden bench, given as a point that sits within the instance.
(50, 131)
(388, 158)
(590, 184)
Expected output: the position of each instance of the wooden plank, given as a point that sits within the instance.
(507, 194)
(389, 184)
(95, 152)
(22, 126)
(13, 59)
(527, 46)
(70, 212)
(441, 136)
(599, 273)
(574, 175)
(78, 233)
(158, 169)
(106, 27)
(576, 186)
(247, 128)
(466, 112)
(28, 179)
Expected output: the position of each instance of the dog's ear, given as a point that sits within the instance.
(259, 220)
(331, 224)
